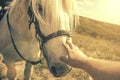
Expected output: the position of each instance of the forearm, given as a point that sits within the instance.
(102, 69)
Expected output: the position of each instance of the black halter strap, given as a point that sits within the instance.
(57, 34)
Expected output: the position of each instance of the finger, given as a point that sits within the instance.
(64, 59)
(66, 46)
(76, 47)
(70, 44)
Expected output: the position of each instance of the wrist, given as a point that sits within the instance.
(83, 62)
(88, 63)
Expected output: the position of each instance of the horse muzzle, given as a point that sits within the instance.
(59, 70)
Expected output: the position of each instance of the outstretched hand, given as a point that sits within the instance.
(75, 57)
(78, 59)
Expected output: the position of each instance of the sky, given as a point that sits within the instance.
(102, 10)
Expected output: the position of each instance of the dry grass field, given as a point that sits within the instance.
(97, 39)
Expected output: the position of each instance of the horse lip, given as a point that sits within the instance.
(63, 74)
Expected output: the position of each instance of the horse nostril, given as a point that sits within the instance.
(59, 70)
(53, 69)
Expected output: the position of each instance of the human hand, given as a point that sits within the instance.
(75, 57)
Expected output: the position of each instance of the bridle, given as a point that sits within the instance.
(39, 36)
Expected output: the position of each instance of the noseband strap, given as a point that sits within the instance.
(57, 34)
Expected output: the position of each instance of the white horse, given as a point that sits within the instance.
(30, 23)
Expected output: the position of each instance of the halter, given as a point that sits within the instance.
(39, 35)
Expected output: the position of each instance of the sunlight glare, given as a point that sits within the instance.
(112, 7)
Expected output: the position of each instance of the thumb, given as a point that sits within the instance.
(64, 59)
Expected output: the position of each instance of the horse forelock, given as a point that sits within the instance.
(52, 11)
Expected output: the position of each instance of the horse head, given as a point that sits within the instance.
(53, 21)
(55, 24)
